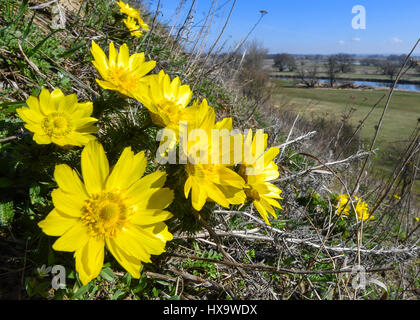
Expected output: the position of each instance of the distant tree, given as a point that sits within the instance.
(255, 82)
(368, 62)
(309, 75)
(254, 56)
(392, 64)
(333, 67)
(389, 67)
(344, 62)
(285, 61)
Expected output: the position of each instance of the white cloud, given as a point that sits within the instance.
(396, 40)
(356, 39)
(341, 42)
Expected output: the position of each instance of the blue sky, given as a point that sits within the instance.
(312, 26)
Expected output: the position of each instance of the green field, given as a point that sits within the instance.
(399, 121)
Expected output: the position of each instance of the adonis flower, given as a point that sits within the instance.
(258, 169)
(133, 27)
(117, 209)
(165, 99)
(56, 118)
(346, 208)
(121, 72)
(132, 13)
(209, 179)
(362, 210)
(343, 205)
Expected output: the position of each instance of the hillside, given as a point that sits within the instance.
(224, 234)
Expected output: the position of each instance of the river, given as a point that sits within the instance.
(404, 86)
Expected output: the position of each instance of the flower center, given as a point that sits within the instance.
(252, 194)
(171, 110)
(105, 214)
(123, 78)
(56, 124)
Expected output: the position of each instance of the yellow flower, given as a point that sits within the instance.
(133, 27)
(362, 210)
(208, 180)
(417, 219)
(165, 99)
(121, 72)
(117, 209)
(132, 13)
(56, 118)
(396, 196)
(258, 187)
(343, 205)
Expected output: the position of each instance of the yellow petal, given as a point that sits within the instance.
(33, 104)
(55, 97)
(107, 85)
(187, 186)
(68, 180)
(73, 239)
(90, 259)
(262, 211)
(68, 203)
(198, 197)
(133, 245)
(127, 261)
(99, 56)
(95, 167)
(270, 155)
(42, 138)
(145, 217)
(216, 195)
(127, 170)
(112, 55)
(83, 109)
(150, 237)
(44, 102)
(152, 199)
(123, 56)
(57, 223)
(29, 115)
(67, 104)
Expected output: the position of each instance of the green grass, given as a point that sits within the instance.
(398, 123)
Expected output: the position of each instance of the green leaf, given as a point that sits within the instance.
(28, 27)
(107, 274)
(9, 107)
(74, 49)
(39, 44)
(117, 294)
(81, 291)
(7, 213)
(34, 194)
(19, 15)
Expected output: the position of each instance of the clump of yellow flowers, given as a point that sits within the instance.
(122, 209)
(345, 206)
(133, 22)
